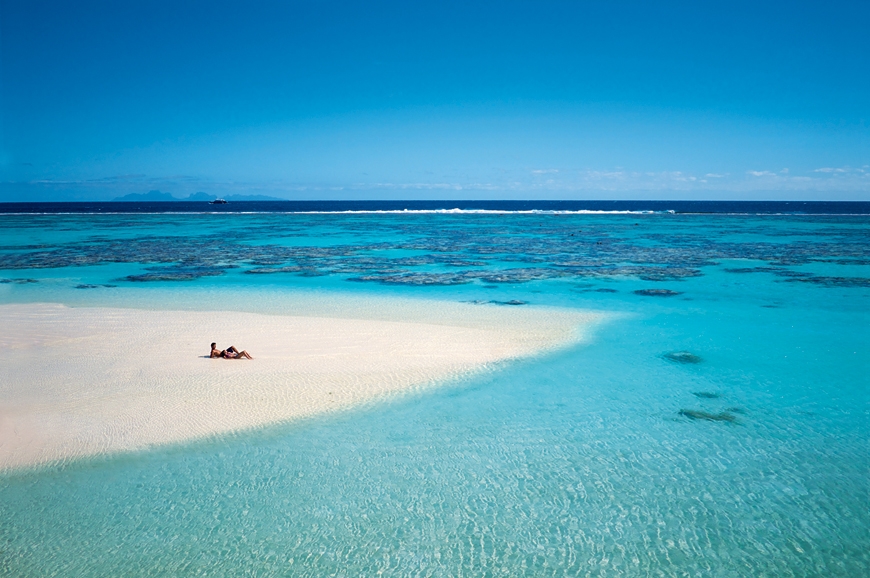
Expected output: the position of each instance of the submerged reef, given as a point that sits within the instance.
(414, 250)
(682, 357)
(834, 281)
(703, 415)
(706, 394)
(657, 292)
(806, 277)
(176, 274)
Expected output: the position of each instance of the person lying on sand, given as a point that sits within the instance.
(229, 353)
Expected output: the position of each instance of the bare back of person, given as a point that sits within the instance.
(229, 353)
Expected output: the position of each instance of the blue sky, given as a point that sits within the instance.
(359, 100)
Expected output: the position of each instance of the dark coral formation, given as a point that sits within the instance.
(176, 274)
(682, 357)
(703, 415)
(706, 394)
(657, 292)
(835, 281)
(806, 277)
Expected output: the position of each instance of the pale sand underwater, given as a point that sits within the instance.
(79, 382)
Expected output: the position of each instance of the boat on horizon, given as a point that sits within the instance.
(218, 202)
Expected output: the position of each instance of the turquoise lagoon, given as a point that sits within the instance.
(716, 425)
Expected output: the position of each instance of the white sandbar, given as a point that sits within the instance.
(78, 382)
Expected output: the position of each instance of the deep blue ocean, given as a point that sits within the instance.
(735, 207)
(718, 425)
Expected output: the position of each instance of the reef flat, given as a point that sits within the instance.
(454, 250)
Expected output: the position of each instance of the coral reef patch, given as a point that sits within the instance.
(682, 357)
(703, 415)
(484, 249)
(657, 292)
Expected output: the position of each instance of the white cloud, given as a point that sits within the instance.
(831, 170)
(761, 173)
(428, 186)
(715, 176)
(610, 175)
(544, 171)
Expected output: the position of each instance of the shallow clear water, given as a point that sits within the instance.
(609, 458)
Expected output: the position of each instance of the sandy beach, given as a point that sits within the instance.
(85, 381)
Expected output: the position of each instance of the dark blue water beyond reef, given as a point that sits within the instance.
(720, 207)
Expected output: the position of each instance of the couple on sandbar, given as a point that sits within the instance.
(229, 353)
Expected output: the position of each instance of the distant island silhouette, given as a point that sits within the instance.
(158, 196)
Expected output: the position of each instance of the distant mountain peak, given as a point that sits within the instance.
(149, 196)
(199, 196)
